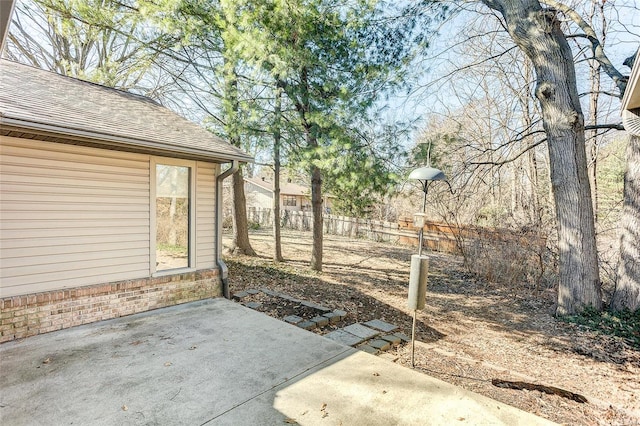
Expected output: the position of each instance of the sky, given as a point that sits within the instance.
(428, 98)
(623, 39)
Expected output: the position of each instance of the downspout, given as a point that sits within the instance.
(222, 267)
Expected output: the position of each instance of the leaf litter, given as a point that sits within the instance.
(470, 332)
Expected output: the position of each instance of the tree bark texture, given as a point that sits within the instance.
(241, 243)
(316, 207)
(627, 294)
(537, 33)
(277, 247)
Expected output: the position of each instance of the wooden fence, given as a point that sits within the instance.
(401, 232)
(436, 236)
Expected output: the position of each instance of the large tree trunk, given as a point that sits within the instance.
(316, 207)
(537, 33)
(241, 243)
(277, 247)
(627, 294)
(311, 136)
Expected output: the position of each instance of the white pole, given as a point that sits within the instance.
(413, 340)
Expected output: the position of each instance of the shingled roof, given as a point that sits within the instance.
(44, 105)
(286, 188)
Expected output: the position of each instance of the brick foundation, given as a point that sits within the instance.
(28, 315)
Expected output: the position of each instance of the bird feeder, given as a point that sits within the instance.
(419, 263)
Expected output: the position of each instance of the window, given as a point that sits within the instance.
(173, 206)
(289, 200)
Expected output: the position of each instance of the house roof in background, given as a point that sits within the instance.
(64, 109)
(286, 188)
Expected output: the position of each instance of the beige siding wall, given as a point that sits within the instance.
(70, 216)
(258, 197)
(74, 216)
(205, 214)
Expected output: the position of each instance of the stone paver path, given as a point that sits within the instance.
(373, 336)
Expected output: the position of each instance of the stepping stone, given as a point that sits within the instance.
(344, 337)
(340, 313)
(307, 325)
(268, 292)
(402, 337)
(253, 291)
(361, 331)
(321, 321)
(379, 344)
(368, 349)
(240, 295)
(381, 325)
(332, 317)
(293, 319)
(392, 338)
(289, 298)
(253, 305)
(316, 307)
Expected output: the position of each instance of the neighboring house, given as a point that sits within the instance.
(259, 195)
(110, 204)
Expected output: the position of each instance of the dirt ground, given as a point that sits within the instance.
(470, 331)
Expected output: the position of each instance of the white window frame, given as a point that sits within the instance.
(152, 213)
(286, 198)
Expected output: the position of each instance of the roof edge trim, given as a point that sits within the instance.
(111, 141)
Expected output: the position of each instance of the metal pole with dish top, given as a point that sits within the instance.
(419, 263)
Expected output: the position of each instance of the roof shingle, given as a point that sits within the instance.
(38, 100)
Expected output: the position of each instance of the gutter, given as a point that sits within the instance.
(124, 143)
(222, 267)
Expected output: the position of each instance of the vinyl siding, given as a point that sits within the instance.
(205, 214)
(258, 197)
(71, 216)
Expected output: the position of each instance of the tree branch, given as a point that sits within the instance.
(613, 126)
(596, 46)
(510, 160)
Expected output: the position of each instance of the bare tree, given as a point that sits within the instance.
(112, 45)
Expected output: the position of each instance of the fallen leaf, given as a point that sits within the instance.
(125, 408)
(46, 361)
(323, 409)
(461, 419)
(167, 364)
(290, 421)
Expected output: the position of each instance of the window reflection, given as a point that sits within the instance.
(172, 216)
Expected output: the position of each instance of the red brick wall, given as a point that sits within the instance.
(28, 315)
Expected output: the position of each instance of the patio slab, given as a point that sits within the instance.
(216, 362)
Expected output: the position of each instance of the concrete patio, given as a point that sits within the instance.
(215, 362)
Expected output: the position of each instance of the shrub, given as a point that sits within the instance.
(511, 258)
(624, 324)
